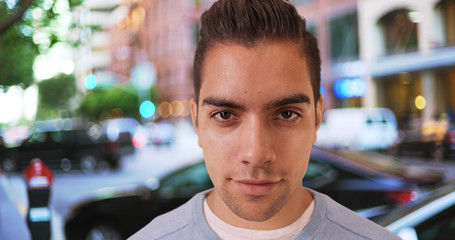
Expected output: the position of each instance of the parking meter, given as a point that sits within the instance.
(38, 178)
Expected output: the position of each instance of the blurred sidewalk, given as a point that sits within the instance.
(13, 211)
(12, 223)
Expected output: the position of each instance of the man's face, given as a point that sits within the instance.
(256, 123)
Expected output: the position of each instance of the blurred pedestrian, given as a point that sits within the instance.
(256, 111)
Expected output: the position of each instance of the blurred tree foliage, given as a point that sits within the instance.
(105, 102)
(16, 14)
(17, 28)
(17, 54)
(54, 94)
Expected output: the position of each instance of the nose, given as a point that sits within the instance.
(256, 144)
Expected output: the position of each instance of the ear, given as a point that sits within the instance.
(193, 105)
(319, 109)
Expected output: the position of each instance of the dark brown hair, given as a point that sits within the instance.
(249, 22)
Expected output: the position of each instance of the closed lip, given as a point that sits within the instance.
(256, 182)
(256, 187)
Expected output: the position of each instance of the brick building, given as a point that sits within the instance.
(375, 53)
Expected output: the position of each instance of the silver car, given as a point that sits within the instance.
(431, 217)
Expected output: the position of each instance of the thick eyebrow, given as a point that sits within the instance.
(297, 98)
(221, 102)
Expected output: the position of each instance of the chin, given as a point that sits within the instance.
(255, 216)
(257, 209)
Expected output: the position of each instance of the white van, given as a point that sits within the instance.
(358, 128)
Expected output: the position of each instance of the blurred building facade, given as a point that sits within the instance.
(334, 23)
(93, 53)
(165, 34)
(408, 48)
(398, 54)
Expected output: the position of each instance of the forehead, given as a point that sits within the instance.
(267, 69)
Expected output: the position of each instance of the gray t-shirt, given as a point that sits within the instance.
(330, 220)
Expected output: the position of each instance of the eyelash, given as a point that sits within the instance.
(216, 116)
(294, 116)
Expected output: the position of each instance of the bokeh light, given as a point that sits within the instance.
(177, 106)
(139, 140)
(420, 102)
(165, 109)
(147, 109)
(90, 81)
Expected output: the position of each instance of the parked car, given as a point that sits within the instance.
(357, 129)
(118, 212)
(433, 137)
(121, 132)
(2, 149)
(161, 133)
(430, 217)
(2, 142)
(67, 146)
(368, 182)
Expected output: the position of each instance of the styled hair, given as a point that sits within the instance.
(251, 22)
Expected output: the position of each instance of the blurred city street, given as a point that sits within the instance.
(100, 92)
(74, 186)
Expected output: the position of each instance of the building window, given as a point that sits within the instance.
(344, 38)
(398, 93)
(399, 31)
(445, 10)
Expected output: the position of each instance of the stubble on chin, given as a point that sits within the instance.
(255, 208)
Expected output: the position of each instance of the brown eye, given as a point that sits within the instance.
(287, 114)
(225, 115)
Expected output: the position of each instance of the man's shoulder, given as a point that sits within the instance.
(176, 224)
(344, 220)
(168, 224)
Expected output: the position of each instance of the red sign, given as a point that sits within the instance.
(38, 175)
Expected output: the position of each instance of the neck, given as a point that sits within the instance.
(290, 212)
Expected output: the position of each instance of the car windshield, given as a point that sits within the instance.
(190, 176)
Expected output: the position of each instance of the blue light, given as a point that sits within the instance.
(147, 109)
(349, 88)
(90, 82)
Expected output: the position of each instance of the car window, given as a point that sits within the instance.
(318, 174)
(37, 137)
(83, 136)
(441, 226)
(61, 136)
(187, 182)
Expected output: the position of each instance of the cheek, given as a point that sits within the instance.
(293, 153)
(216, 141)
(218, 149)
(296, 142)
